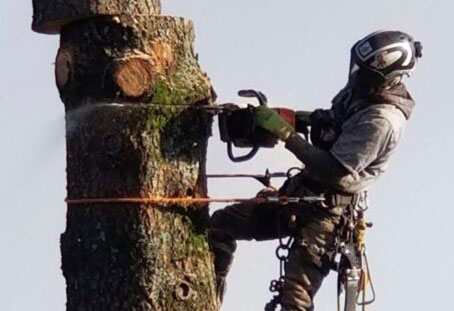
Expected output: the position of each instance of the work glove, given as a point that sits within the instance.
(272, 122)
(267, 192)
(303, 122)
(322, 132)
(321, 117)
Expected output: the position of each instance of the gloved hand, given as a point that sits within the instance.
(273, 123)
(267, 192)
(321, 117)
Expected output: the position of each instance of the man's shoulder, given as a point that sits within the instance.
(382, 114)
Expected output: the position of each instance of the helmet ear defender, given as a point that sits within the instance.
(418, 49)
(386, 55)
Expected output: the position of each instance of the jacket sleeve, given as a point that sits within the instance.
(355, 149)
(320, 165)
(362, 143)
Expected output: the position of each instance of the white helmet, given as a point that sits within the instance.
(385, 55)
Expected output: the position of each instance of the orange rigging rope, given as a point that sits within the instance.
(191, 200)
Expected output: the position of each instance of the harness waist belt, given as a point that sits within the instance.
(337, 199)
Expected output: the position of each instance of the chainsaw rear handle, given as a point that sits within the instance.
(246, 157)
(263, 101)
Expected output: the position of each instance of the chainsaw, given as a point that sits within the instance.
(238, 128)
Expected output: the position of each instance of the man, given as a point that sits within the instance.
(351, 146)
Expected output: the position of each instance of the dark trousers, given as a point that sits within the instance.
(315, 230)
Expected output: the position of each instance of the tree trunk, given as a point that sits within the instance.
(49, 16)
(131, 86)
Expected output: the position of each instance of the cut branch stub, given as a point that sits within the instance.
(49, 16)
(124, 58)
(134, 76)
(137, 75)
(63, 67)
(182, 290)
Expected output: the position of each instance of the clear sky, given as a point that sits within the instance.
(295, 51)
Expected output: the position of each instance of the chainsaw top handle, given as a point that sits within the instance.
(263, 101)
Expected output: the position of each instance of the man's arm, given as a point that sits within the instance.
(355, 149)
(321, 166)
(360, 144)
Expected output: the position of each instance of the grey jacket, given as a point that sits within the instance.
(369, 130)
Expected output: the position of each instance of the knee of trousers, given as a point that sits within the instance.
(312, 255)
(303, 278)
(220, 239)
(223, 255)
(223, 247)
(216, 220)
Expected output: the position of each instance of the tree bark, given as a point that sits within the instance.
(49, 16)
(131, 86)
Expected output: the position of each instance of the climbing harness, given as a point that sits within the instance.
(350, 262)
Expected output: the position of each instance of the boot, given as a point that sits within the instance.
(220, 289)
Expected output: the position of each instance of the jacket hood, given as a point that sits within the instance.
(351, 99)
(397, 96)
